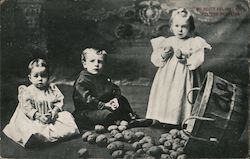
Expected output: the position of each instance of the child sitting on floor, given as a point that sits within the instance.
(39, 116)
(97, 100)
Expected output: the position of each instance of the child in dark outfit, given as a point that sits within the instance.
(97, 100)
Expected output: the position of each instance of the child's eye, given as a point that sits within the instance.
(92, 60)
(176, 25)
(100, 61)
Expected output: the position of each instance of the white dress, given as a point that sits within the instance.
(167, 101)
(22, 124)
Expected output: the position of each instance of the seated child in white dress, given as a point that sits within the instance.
(39, 115)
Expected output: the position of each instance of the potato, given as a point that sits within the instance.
(83, 152)
(101, 140)
(91, 138)
(175, 146)
(99, 129)
(117, 145)
(136, 145)
(119, 136)
(164, 149)
(130, 153)
(139, 135)
(139, 151)
(124, 123)
(183, 135)
(112, 139)
(180, 150)
(154, 151)
(183, 156)
(112, 127)
(162, 140)
(126, 132)
(112, 147)
(168, 144)
(177, 140)
(179, 134)
(171, 140)
(146, 139)
(128, 156)
(165, 156)
(122, 128)
(183, 142)
(173, 154)
(146, 146)
(174, 132)
(85, 135)
(169, 137)
(114, 132)
(170, 151)
(164, 135)
(118, 122)
(129, 137)
(118, 154)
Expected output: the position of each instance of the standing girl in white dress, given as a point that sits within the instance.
(39, 115)
(177, 58)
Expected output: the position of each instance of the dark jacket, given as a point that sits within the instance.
(91, 92)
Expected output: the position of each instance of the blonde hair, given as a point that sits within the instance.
(93, 51)
(184, 13)
(38, 62)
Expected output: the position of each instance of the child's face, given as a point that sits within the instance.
(180, 27)
(93, 63)
(39, 77)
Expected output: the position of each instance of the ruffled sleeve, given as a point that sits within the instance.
(158, 45)
(25, 99)
(198, 47)
(58, 102)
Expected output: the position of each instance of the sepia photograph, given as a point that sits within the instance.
(132, 79)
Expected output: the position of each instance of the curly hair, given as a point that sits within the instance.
(184, 13)
(38, 62)
(91, 51)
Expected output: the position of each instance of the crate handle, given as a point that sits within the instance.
(191, 90)
(212, 139)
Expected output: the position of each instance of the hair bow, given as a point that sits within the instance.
(181, 11)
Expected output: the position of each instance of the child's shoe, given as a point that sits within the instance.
(134, 116)
(168, 127)
(140, 123)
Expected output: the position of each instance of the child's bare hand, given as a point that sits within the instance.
(113, 104)
(168, 51)
(54, 113)
(183, 60)
(45, 118)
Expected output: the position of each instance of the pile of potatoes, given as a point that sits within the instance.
(124, 143)
(172, 144)
(96, 137)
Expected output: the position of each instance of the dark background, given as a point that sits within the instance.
(62, 29)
